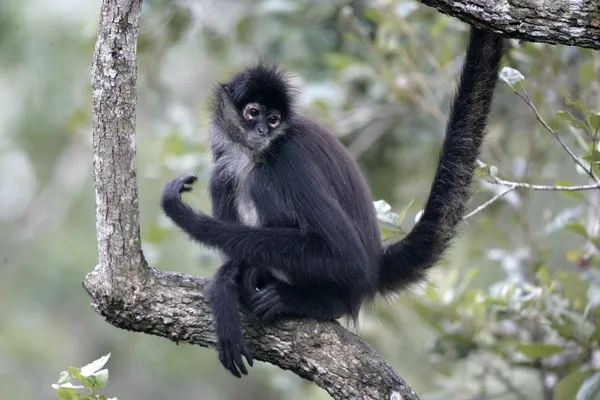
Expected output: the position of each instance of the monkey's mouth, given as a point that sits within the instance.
(257, 144)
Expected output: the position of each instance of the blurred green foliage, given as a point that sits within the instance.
(513, 313)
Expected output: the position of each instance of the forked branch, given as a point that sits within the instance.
(133, 296)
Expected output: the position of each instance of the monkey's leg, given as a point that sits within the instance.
(222, 294)
(276, 300)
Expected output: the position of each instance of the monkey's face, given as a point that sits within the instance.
(261, 125)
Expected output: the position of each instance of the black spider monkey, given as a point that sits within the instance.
(293, 215)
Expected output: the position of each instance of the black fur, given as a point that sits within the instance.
(295, 221)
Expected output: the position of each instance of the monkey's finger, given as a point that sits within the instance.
(232, 367)
(246, 354)
(240, 363)
(227, 361)
(189, 179)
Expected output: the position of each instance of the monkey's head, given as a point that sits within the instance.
(254, 106)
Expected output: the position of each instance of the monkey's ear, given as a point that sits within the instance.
(225, 88)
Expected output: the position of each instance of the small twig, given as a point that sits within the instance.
(557, 188)
(525, 97)
(516, 185)
(594, 141)
(489, 202)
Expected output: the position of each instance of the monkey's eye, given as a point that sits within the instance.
(251, 111)
(273, 120)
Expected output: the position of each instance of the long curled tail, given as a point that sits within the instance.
(405, 262)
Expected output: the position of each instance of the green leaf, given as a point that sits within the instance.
(67, 394)
(544, 276)
(403, 212)
(577, 104)
(583, 329)
(374, 15)
(339, 60)
(75, 372)
(594, 120)
(482, 171)
(574, 122)
(64, 377)
(101, 378)
(539, 350)
(587, 74)
(574, 194)
(594, 155)
(94, 366)
(573, 288)
(570, 384)
(577, 227)
(590, 388)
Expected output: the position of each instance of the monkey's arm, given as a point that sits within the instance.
(222, 199)
(405, 262)
(222, 291)
(308, 254)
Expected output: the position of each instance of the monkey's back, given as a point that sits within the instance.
(333, 169)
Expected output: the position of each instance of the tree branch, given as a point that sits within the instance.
(133, 296)
(570, 22)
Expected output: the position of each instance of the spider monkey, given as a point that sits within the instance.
(293, 216)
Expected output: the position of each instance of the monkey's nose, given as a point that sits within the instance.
(261, 130)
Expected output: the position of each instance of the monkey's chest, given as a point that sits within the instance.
(245, 205)
(259, 197)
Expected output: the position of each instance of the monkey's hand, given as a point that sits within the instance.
(171, 201)
(231, 348)
(175, 187)
(267, 304)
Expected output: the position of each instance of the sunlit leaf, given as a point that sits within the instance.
(482, 171)
(385, 213)
(94, 366)
(511, 76)
(577, 104)
(539, 350)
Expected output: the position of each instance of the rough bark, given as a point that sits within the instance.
(570, 22)
(133, 296)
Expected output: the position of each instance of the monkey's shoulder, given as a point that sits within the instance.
(233, 163)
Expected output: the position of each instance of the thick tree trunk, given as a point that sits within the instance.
(133, 296)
